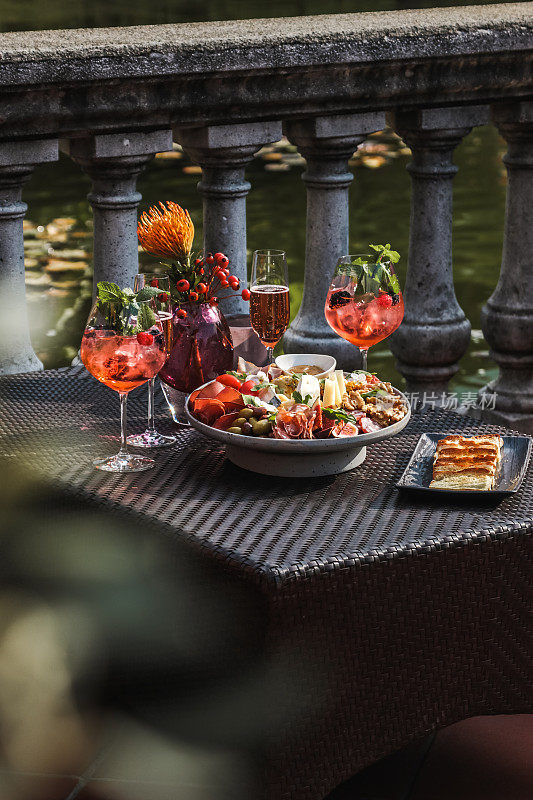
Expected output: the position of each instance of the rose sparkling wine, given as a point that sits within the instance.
(269, 312)
(364, 303)
(122, 362)
(123, 346)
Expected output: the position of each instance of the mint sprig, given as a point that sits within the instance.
(118, 306)
(372, 272)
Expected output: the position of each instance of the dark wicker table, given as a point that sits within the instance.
(394, 614)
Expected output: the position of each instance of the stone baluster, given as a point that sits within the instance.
(113, 162)
(326, 143)
(17, 160)
(507, 317)
(434, 333)
(223, 152)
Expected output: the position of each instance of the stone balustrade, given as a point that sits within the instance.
(113, 98)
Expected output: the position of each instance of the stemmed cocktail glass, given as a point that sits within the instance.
(151, 437)
(269, 297)
(123, 346)
(364, 303)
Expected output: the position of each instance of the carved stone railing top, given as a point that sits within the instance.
(208, 73)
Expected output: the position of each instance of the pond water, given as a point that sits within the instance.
(59, 280)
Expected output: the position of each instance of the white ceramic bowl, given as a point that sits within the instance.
(326, 363)
(297, 458)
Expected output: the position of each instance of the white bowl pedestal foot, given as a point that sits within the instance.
(296, 466)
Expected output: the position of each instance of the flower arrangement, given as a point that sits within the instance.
(167, 231)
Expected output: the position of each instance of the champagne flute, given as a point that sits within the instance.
(364, 303)
(122, 359)
(151, 437)
(269, 297)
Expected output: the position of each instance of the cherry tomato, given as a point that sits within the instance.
(230, 380)
(248, 387)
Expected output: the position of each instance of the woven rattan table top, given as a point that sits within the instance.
(276, 527)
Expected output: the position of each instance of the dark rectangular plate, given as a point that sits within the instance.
(419, 471)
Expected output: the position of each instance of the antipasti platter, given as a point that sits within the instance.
(299, 421)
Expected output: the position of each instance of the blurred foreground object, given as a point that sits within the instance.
(111, 636)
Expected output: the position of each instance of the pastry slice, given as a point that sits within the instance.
(467, 462)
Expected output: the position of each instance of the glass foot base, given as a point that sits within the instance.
(124, 462)
(176, 403)
(151, 439)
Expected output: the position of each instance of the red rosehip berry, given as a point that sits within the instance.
(194, 296)
(155, 283)
(219, 256)
(224, 283)
(163, 297)
(145, 338)
(202, 288)
(213, 301)
(183, 285)
(181, 313)
(234, 283)
(385, 300)
(199, 262)
(201, 271)
(223, 260)
(210, 260)
(232, 278)
(245, 294)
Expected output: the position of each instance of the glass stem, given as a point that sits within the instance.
(151, 422)
(270, 356)
(364, 356)
(123, 424)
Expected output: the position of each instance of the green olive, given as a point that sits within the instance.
(247, 413)
(262, 428)
(239, 422)
(234, 430)
(258, 412)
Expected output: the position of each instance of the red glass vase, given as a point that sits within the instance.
(201, 349)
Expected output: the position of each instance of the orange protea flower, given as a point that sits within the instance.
(167, 231)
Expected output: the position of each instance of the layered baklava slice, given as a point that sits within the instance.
(467, 462)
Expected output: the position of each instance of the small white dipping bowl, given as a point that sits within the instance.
(326, 363)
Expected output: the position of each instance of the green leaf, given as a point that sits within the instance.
(297, 397)
(147, 293)
(334, 413)
(109, 292)
(146, 318)
(384, 253)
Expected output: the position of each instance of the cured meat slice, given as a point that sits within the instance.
(208, 409)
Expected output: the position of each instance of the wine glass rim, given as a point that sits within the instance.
(270, 252)
(355, 255)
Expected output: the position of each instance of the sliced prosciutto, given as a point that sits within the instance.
(296, 422)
